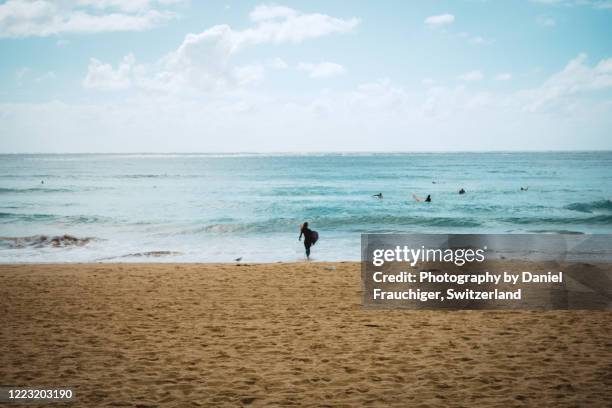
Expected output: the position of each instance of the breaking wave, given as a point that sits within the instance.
(593, 206)
(44, 241)
(593, 220)
(146, 254)
(66, 219)
(355, 224)
(5, 190)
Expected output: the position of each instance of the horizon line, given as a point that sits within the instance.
(290, 152)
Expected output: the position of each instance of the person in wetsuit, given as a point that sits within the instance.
(428, 199)
(307, 238)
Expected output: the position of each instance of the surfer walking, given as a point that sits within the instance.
(310, 237)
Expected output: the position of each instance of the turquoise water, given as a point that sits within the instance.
(217, 207)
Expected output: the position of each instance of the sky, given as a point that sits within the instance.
(304, 76)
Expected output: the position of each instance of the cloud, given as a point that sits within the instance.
(475, 39)
(278, 63)
(47, 76)
(21, 73)
(41, 18)
(248, 74)
(104, 76)
(504, 76)
(428, 81)
(576, 79)
(204, 61)
(279, 24)
(471, 76)
(478, 40)
(439, 20)
(549, 2)
(596, 4)
(566, 111)
(271, 12)
(322, 69)
(130, 6)
(546, 21)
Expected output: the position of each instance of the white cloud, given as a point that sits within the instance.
(440, 20)
(47, 76)
(278, 63)
(478, 40)
(271, 12)
(21, 73)
(28, 74)
(428, 81)
(474, 39)
(279, 24)
(596, 4)
(130, 6)
(565, 112)
(62, 43)
(471, 76)
(249, 74)
(577, 78)
(104, 76)
(322, 69)
(24, 18)
(546, 21)
(204, 61)
(549, 1)
(503, 76)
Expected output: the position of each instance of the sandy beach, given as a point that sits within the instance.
(191, 335)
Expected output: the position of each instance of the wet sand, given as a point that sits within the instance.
(190, 335)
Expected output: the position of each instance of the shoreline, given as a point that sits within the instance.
(178, 335)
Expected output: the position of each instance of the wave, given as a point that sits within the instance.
(5, 190)
(391, 222)
(147, 254)
(561, 231)
(594, 220)
(590, 207)
(44, 241)
(155, 176)
(356, 224)
(66, 219)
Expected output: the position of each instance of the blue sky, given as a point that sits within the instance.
(185, 76)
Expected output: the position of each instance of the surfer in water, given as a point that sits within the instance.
(418, 199)
(310, 238)
(462, 191)
(379, 195)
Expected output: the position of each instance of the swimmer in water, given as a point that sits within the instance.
(524, 188)
(379, 195)
(462, 191)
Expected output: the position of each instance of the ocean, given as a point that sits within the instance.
(218, 207)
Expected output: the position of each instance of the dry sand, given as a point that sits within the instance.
(162, 335)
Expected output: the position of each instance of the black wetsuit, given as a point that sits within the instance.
(307, 239)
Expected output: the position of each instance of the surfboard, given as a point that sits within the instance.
(314, 236)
